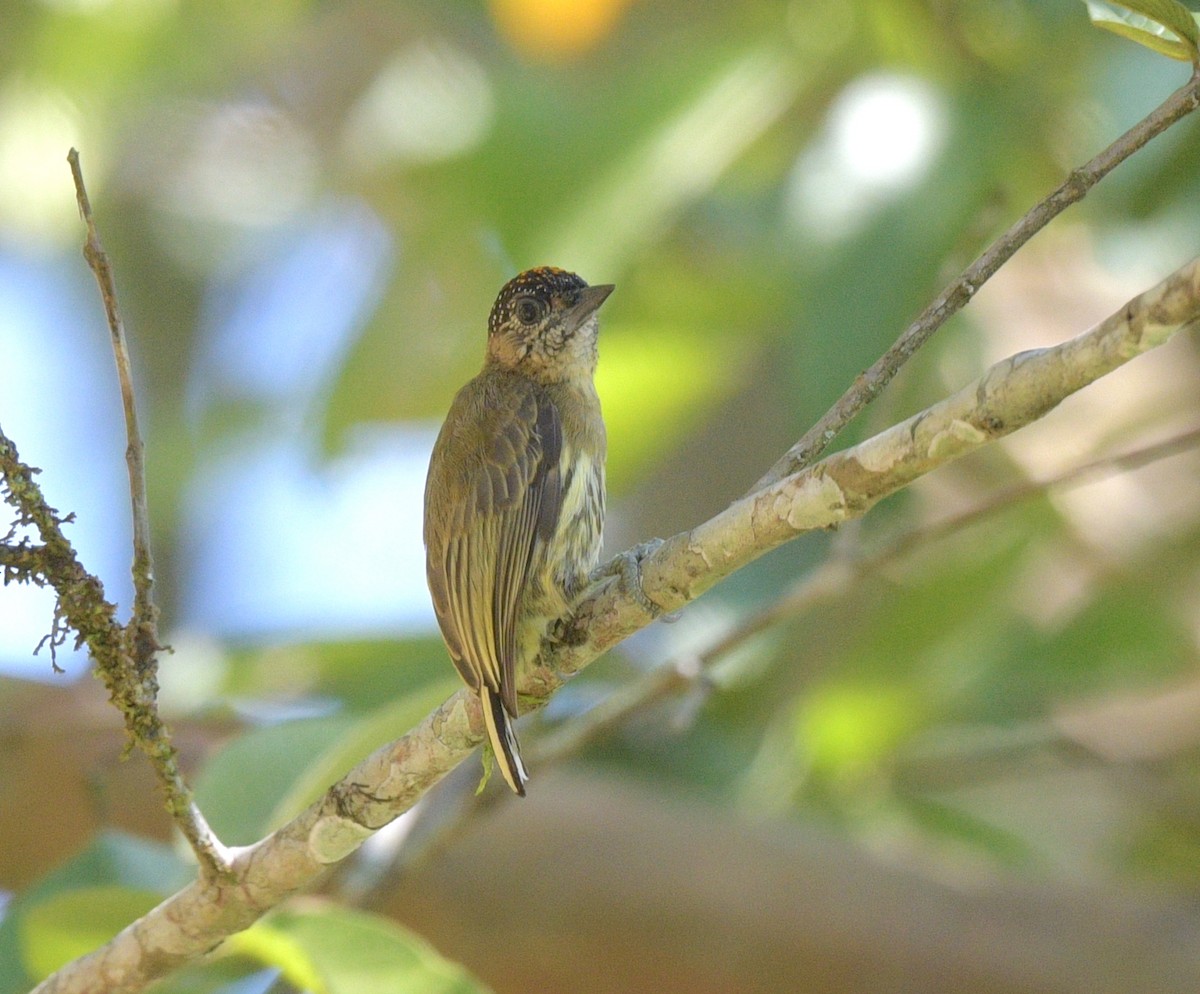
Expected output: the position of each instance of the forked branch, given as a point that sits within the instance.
(958, 294)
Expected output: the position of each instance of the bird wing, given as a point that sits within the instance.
(479, 558)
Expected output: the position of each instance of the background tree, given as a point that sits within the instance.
(957, 760)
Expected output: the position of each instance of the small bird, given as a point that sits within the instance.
(514, 500)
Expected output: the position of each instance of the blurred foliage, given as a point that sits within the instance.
(340, 951)
(739, 171)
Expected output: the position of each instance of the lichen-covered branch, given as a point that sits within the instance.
(81, 607)
(23, 563)
(1011, 394)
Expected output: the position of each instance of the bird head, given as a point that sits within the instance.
(543, 324)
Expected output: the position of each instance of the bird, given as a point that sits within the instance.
(514, 497)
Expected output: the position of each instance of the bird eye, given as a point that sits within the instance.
(529, 310)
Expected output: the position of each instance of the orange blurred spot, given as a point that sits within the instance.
(556, 29)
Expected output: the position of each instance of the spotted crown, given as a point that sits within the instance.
(545, 283)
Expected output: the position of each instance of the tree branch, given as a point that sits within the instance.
(23, 563)
(958, 294)
(125, 655)
(832, 578)
(81, 606)
(145, 614)
(1011, 394)
(139, 663)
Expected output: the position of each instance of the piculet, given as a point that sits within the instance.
(514, 500)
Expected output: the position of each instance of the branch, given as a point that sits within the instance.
(23, 563)
(125, 655)
(145, 615)
(81, 606)
(135, 679)
(1011, 394)
(832, 578)
(959, 293)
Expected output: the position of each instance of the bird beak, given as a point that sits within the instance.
(590, 299)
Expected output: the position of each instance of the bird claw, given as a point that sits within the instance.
(627, 568)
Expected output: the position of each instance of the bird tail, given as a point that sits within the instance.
(503, 739)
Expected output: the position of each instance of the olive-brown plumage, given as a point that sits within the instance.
(514, 500)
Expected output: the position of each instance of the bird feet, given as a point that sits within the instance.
(627, 568)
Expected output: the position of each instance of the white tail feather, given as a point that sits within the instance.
(503, 739)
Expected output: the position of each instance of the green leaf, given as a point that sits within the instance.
(1165, 26)
(267, 775)
(68, 925)
(360, 673)
(332, 950)
(112, 860)
(242, 785)
(276, 947)
(947, 821)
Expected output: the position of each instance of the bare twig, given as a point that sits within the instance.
(1011, 394)
(868, 384)
(133, 679)
(145, 615)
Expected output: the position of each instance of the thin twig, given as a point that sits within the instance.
(831, 579)
(868, 384)
(139, 689)
(145, 615)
